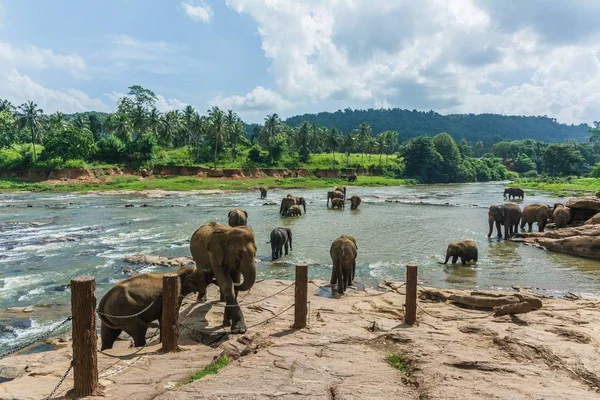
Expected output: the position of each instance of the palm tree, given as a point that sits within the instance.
(121, 126)
(138, 119)
(6, 105)
(188, 116)
(271, 129)
(302, 139)
(236, 133)
(154, 120)
(57, 121)
(170, 128)
(333, 140)
(81, 121)
(30, 116)
(349, 145)
(364, 134)
(391, 142)
(198, 130)
(217, 126)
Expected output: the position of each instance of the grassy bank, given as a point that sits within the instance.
(561, 186)
(186, 183)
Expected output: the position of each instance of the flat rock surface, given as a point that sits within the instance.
(451, 353)
(582, 241)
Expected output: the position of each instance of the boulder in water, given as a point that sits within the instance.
(583, 208)
(160, 260)
(581, 241)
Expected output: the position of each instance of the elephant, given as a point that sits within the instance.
(280, 238)
(334, 194)
(341, 189)
(352, 178)
(293, 211)
(466, 250)
(514, 193)
(355, 202)
(343, 254)
(290, 201)
(507, 215)
(562, 216)
(133, 295)
(227, 254)
(535, 213)
(237, 217)
(263, 192)
(337, 203)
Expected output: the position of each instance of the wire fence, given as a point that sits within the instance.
(61, 380)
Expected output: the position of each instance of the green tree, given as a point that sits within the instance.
(7, 106)
(451, 159)
(81, 121)
(349, 145)
(170, 127)
(523, 163)
(72, 144)
(8, 133)
(363, 138)
(217, 127)
(333, 141)
(421, 159)
(120, 126)
(95, 126)
(391, 143)
(465, 148)
(188, 117)
(561, 159)
(154, 120)
(302, 141)
(31, 117)
(144, 98)
(57, 122)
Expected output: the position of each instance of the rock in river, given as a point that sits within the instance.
(160, 260)
(582, 241)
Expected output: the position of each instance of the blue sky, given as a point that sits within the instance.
(262, 56)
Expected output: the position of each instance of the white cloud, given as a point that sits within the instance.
(19, 88)
(259, 99)
(447, 55)
(197, 10)
(34, 58)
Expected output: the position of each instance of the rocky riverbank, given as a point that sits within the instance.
(452, 353)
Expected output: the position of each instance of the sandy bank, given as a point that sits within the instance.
(451, 354)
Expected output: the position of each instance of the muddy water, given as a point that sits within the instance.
(46, 239)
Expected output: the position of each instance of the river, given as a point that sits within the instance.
(393, 226)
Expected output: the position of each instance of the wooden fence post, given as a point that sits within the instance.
(169, 322)
(301, 296)
(85, 358)
(410, 309)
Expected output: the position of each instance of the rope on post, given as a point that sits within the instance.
(83, 310)
(410, 310)
(169, 326)
(301, 296)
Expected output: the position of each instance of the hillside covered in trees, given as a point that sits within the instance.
(489, 128)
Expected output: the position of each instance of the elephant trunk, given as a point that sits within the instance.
(304, 205)
(249, 275)
(344, 193)
(491, 221)
(447, 258)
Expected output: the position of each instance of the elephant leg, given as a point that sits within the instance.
(499, 229)
(340, 279)
(333, 280)
(108, 336)
(530, 227)
(286, 248)
(463, 260)
(454, 259)
(236, 277)
(348, 277)
(137, 330)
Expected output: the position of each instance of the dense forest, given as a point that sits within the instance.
(489, 128)
(137, 134)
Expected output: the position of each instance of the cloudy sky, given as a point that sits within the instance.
(534, 57)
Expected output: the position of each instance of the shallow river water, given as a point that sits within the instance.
(394, 226)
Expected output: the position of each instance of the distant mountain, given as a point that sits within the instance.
(473, 127)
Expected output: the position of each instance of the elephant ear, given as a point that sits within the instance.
(353, 241)
(245, 213)
(215, 248)
(230, 213)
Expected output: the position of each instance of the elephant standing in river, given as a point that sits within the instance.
(535, 213)
(237, 217)
(263, 192)
(562, 216)
(294, 211)
(337, 203)
(341, 189)
(290, 201)
(227, 254)
(334, 194)
(133, 295)
(507, 215)
(466, 250)
(354, 202)
(514, 193)
(343, 253)
(280, 238)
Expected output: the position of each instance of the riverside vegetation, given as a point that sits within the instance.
(137, 135)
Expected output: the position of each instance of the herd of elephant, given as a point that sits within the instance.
(292, 206)
(224, 256)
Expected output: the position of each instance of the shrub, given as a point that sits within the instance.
(110, 149)
(70, 144)
(142, 147)
(530, 174)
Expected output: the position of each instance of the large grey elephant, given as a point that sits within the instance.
(280, 238)
(343, 253)
(535, 213)
(508, 215)
(133, 295)
(514, 193)
(227, 254)
(334, 194)
(355, 202)
(290, 201)
(237, 217)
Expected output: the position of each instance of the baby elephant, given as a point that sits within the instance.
(354, 202)
(237, 217)
(131, 296)
(293, 211)
(263, 192)
(562, 216)
(466, 250)
(343, 254)
(280, 238)
(337, 203)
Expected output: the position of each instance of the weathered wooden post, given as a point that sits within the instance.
(410, 309)
(169, 322)
(301, 296)
(85, 359)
